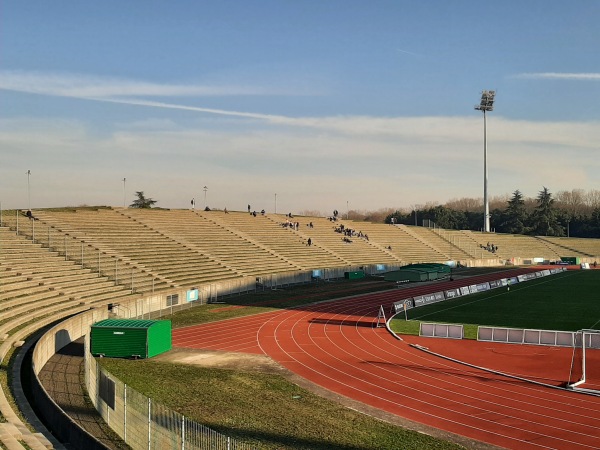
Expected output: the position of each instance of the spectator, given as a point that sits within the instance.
(309, 242)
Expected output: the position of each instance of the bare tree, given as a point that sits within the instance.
(465, 204)
(499, 201)
(592, 199)
(377, 216)
(573, 202)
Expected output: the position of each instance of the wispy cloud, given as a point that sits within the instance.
(153, 104)
(407, 52)
(559, 76)
(86, 86)
(403, 129)
(132, 92)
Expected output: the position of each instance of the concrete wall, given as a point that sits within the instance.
(62, 426)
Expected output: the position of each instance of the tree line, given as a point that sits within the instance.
(570, 213)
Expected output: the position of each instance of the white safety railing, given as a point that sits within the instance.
(526, 336)
(441, 330)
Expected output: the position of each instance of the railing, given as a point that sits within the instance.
(137, 279)
(89, 256)
(143, 423)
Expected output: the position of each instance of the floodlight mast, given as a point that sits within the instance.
(487, 104)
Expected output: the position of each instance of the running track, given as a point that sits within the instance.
(337, 346)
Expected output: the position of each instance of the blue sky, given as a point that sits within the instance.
(324, 103)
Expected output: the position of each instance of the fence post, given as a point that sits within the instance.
(125, 413)
(182, 432)
(82, 254)
(17, 214)
(33, 231)
(149, 423)
(66, 248)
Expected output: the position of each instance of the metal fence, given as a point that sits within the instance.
(144, 423)
(84, 253)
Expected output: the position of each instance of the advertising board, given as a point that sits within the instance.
(192, 295)
(481, 287)
(452, 293)
(494, 284)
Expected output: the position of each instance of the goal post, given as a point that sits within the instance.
(585, 362)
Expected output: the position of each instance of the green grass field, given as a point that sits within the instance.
(568, 301)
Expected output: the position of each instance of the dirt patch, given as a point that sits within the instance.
(246, 362)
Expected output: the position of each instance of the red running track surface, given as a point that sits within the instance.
(337, 346)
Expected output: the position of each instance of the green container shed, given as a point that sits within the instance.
(406, 275)
(572, 260)
(130, 338)
(441, 269)
(357, 275)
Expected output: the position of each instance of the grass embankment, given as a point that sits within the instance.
(266, 410)
(565, 302)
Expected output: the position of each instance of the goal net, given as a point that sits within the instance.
(585, 363)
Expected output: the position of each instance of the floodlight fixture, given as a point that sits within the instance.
(486, 104)
(487, 101)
